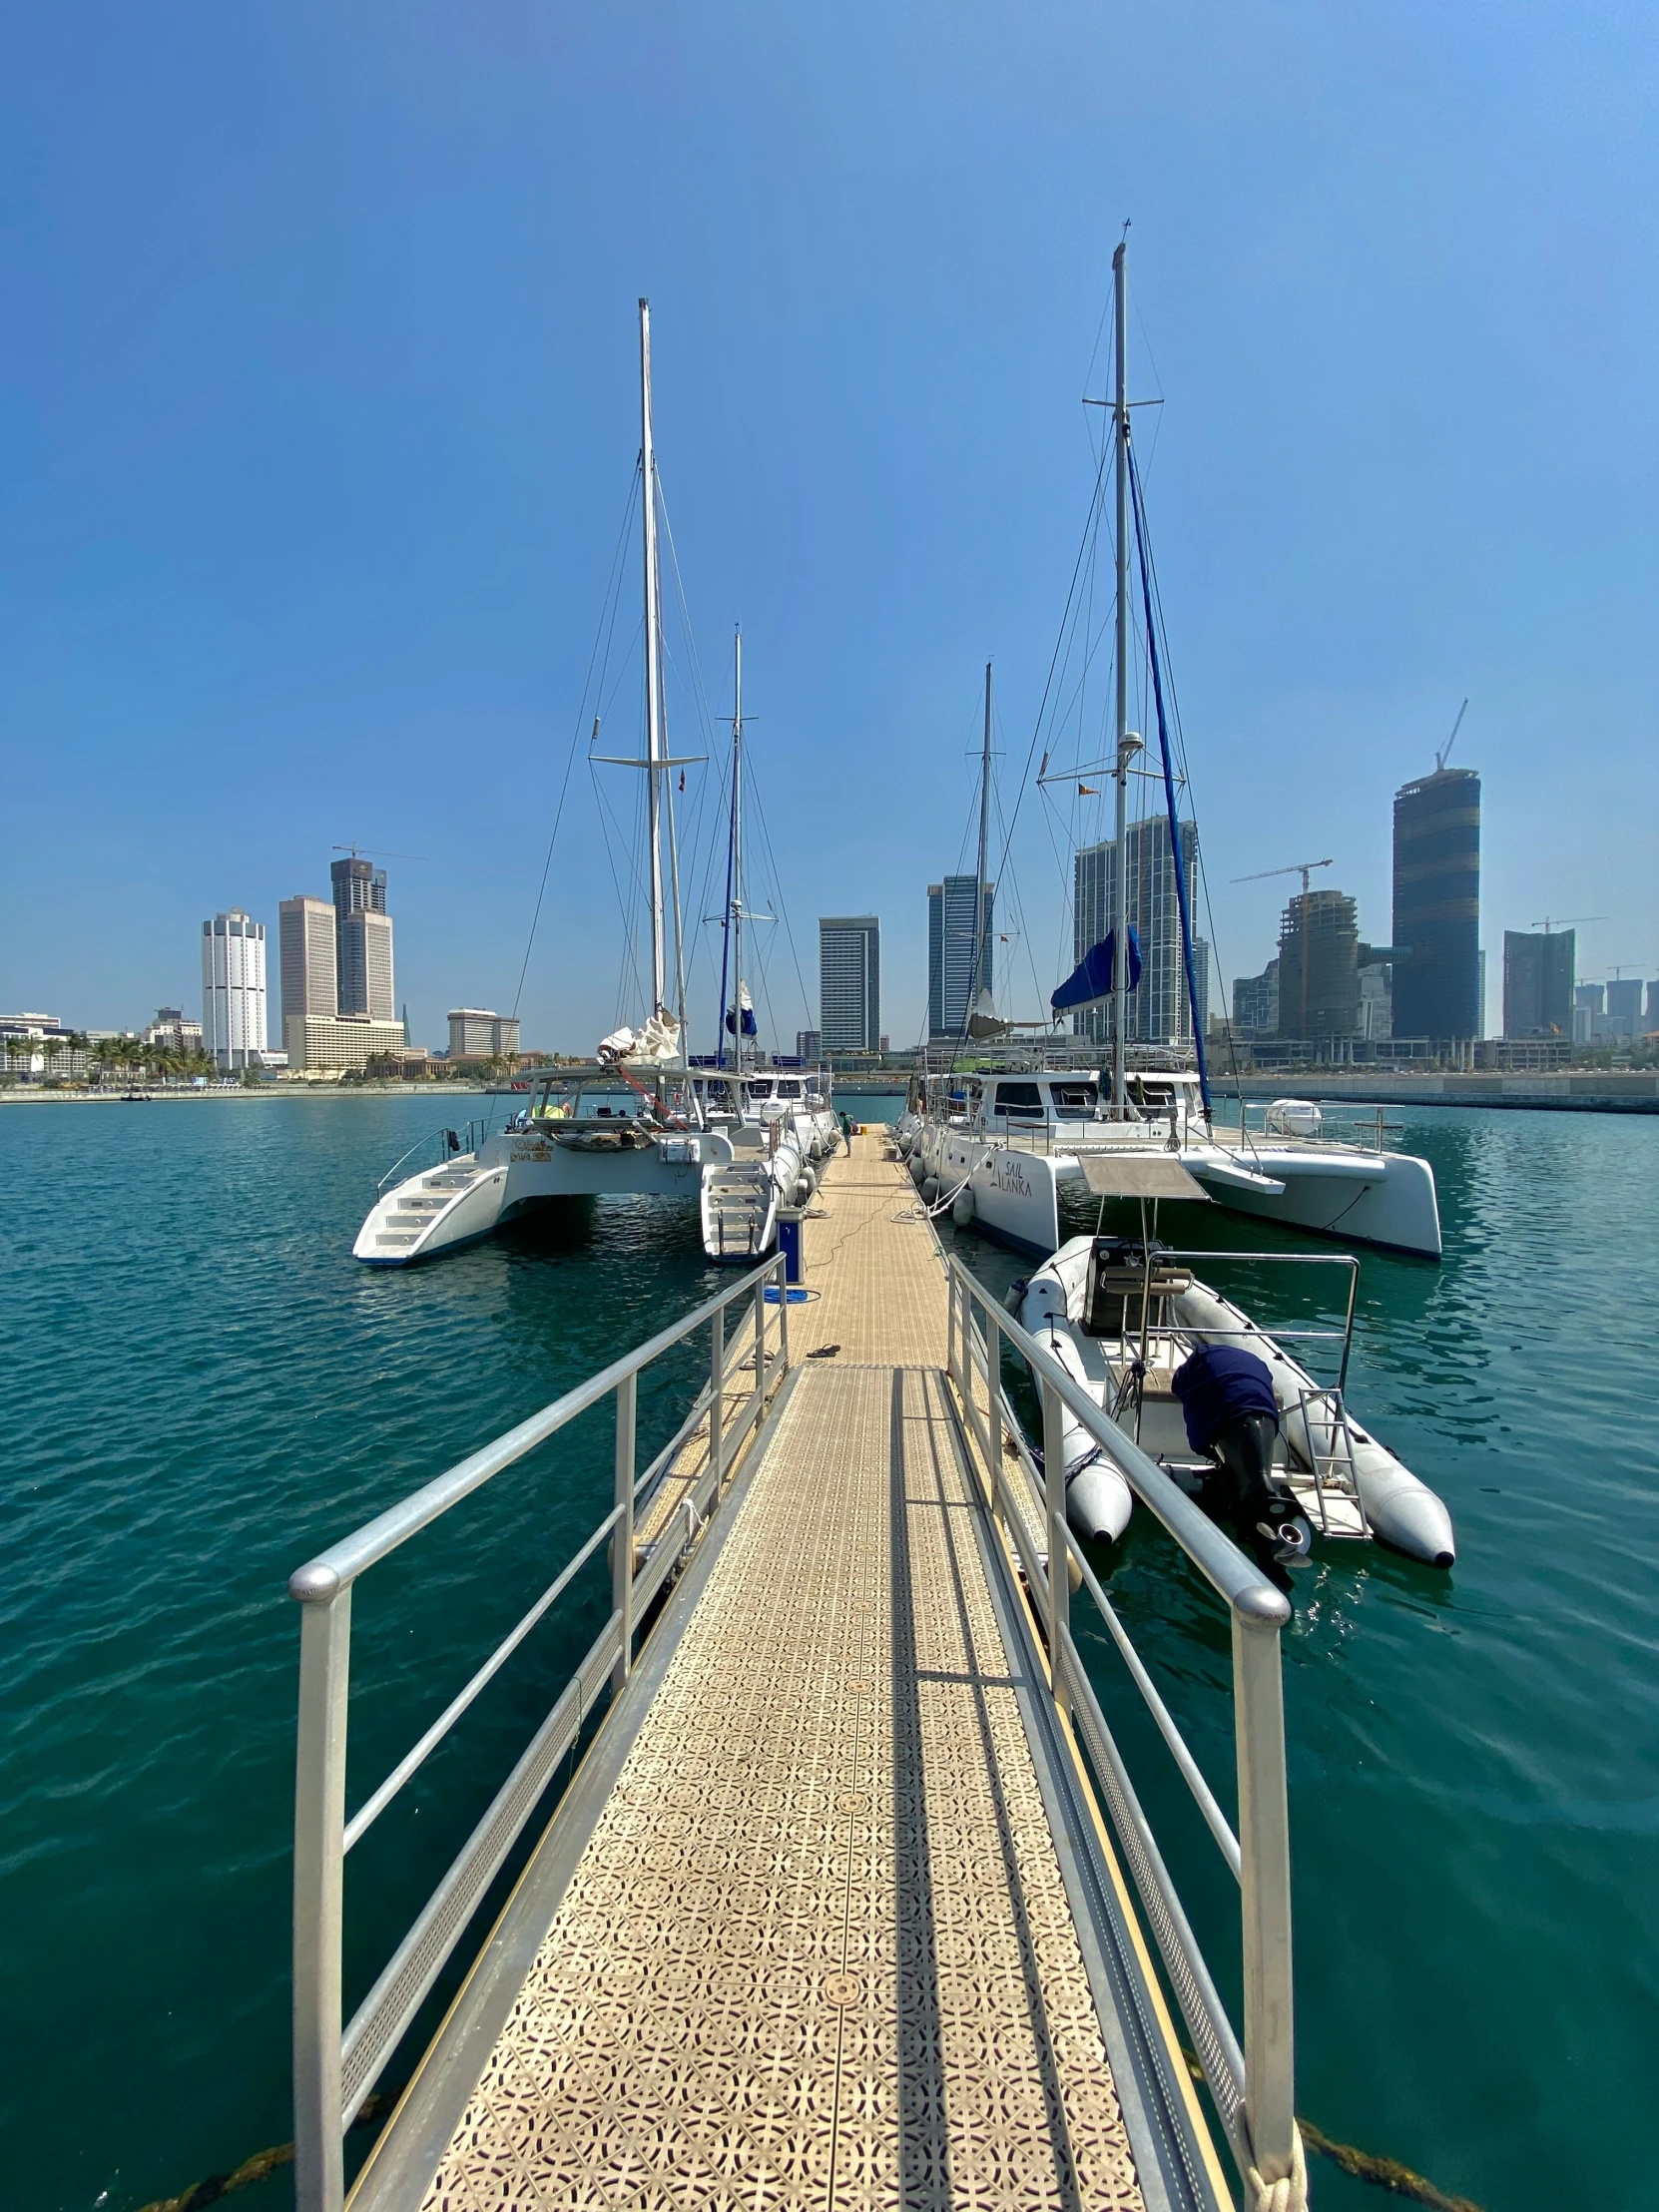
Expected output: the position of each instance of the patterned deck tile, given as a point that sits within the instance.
(817, 1951)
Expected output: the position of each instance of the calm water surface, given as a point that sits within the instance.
(203, 1389)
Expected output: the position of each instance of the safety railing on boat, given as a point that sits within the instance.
(449, 1144)
(335, 2063)
(1253, 2085)
(1365, 1131)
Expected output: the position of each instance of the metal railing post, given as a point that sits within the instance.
(950, 1367)
(761, 1340)
(622, 1541)
(783, 1313)
(318, 1887)
(717, 1396)
(993, 1407)
(1265, 1881)
(1059, 1563)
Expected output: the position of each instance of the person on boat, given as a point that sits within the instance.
(1232, 1416)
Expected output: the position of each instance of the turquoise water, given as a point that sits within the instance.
(203, 1389)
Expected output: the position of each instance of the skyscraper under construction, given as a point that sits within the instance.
(1436, 925)
(1318, 966)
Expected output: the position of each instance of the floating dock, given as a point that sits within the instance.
(841, 1905)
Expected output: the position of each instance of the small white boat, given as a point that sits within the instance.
(1122, 1316)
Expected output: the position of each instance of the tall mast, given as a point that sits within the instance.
(977, 979)
(736, 839)
(653, 668)
(1120, 437)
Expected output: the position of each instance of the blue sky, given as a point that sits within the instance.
(317, 412)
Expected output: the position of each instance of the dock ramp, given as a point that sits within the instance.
(831, 1912)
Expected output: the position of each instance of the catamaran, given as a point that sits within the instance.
(636, 1121)
(1000, 1146)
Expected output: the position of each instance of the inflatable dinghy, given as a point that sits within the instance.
(1084, 1307)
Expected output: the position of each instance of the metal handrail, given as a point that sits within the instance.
(1253, 2088)
(431, 1136)
(335, 2064)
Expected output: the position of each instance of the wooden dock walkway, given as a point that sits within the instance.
(829, 1916)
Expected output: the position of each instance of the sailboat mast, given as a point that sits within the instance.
(977, 980)
(1120, 920)
(653, 670)
(736, 839)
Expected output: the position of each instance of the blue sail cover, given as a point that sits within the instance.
(1091, 978)
(748, 1016)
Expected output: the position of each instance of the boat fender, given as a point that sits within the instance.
(962, 1211)
(929, 1189)
(1016, 1291)
(917, 1171)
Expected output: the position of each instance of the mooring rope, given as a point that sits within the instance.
(1364, 2165)
(259, 2167)
(1382, 2173)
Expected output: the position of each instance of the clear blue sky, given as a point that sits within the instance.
(318, 411)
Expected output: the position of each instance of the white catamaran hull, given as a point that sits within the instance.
(1374, 1197)
(445, 1206)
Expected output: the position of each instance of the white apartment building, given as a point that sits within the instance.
(320, 1044)
(476, 1031)
(233, 989)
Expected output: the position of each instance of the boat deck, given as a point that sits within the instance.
(828, 1917)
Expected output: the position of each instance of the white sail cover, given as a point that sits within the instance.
(658, 1041)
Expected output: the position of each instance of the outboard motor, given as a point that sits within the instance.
(1231, 1415)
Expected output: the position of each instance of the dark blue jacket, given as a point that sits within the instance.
(1218, 1385)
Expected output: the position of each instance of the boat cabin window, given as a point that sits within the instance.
(759, 1090)
(1156, 1095)
(1075, 1098)
(1024, 1101)
(788, 1089)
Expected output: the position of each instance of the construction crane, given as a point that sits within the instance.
(1564, 921)
(366, 852)
(1304, 868)
(1440, 758)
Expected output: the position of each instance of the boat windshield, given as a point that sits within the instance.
(1019, 1101)
(760, 1087)
(1072, 1100)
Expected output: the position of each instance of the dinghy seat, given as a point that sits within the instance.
(1116, 1280)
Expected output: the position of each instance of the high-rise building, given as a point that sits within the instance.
(360, 887)
(1158, 1009)
(233, 989)
(1256, 1002)
(1318, 966)
(1624, 1006)
(951, 917)
(306, 939)
(362, 945)
(1377, 1000)
(849, 981)
(365, 972)
(1436, 911)
(1653, 1006)
(808, 1045)
(1539, 983)
(477, 1033)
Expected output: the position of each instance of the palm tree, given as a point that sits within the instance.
(20, 1049)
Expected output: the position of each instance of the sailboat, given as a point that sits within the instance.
(999, 1145)
(632, 1122)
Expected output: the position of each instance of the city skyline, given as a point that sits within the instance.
(408, 628)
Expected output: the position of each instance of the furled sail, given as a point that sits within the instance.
(658, 1041)
(1091, 978)
(742, 1011)
(983, 1022)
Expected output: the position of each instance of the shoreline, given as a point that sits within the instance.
(435, 1091)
